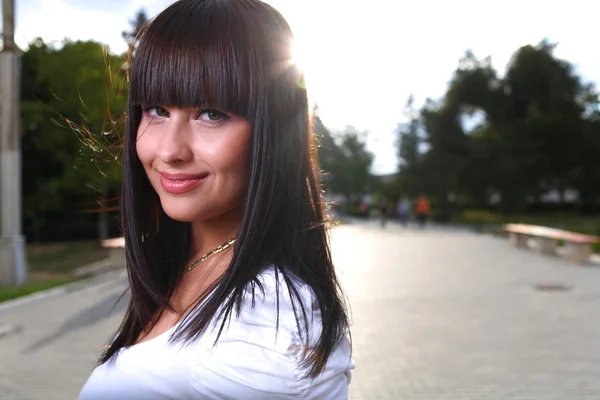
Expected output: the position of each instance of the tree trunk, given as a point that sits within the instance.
(103, 229)
(561, 194)
(36, 228)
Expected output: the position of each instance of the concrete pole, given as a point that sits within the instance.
(13, 265)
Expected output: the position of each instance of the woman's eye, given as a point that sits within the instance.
(161, 112)
(155, 111)
(212, 116)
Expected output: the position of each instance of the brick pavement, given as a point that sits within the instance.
(451, 315)
(437, 315)
(60, 337)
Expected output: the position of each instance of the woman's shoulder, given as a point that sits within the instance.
(271, 278)
(260, 350)
(282, 284)
(278, 298)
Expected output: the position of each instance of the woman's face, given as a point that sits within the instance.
(196, 160)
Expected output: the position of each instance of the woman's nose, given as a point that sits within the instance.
(174, 147)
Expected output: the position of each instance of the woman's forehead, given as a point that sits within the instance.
(185, 77)
(209, 54)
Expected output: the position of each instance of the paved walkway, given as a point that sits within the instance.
(437, 315)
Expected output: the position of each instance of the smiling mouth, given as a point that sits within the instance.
(181, 183)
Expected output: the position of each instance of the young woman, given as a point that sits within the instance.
(233, 292)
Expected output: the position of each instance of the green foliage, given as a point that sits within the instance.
(344, 159)
(137, 24)
(13, 292)
(72, 105)
(560, 220)
(411, 160)
(539, 131)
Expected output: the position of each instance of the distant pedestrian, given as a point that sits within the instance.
(363, 210)
(422, 210)
(404, 206)
(384, 212)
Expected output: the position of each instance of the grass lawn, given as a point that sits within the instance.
(568, 221)
(587, 224)
(52, 264)
(9, 293)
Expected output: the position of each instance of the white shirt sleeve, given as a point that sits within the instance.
(254, 360)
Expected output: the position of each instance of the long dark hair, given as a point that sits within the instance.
(233, 55)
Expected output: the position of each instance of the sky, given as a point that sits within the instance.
(363, 59)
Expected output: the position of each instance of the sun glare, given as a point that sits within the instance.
(299, 55)
(301, 59)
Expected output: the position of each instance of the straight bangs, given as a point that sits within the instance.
(196, 57)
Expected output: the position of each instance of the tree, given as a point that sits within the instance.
(530, 140)
(353, 170)
(345, 160)
(72, 102)
(137, 24)
(410, 179)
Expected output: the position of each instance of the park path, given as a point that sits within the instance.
(437, 314)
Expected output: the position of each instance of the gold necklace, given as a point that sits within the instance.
(211, 253)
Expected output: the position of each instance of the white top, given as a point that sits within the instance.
(251, 360)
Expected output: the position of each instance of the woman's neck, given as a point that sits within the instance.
(209, 234)
(206, 236)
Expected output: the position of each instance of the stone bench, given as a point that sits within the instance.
(578, 246)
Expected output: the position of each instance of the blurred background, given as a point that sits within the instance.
(439, 122)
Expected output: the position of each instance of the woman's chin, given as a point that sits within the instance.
(186, 211)
(182, 214)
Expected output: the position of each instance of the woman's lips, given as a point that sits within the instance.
(181, 183)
